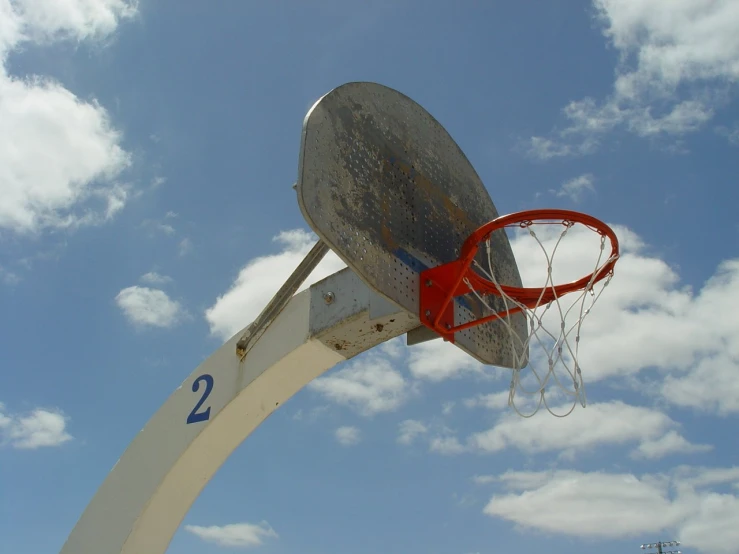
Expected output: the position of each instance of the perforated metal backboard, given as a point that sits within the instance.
(388, 189)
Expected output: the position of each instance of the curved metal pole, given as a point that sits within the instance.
(144, 498)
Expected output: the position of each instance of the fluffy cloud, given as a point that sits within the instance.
(575, 188)
(149, 307)
(675, 62)
(48, 20)
(260, 279)
(34, 430)
(184, 247)
(80, 149)
(10, 28)
(586, 429)
(409, 430)
(7, 277)
(608, 505)
(709, 386)
(240, 535)
(156, 227)
(154, 278)
(732, 135)
(585, 504)
(446, 444)
(438, 436)
(697, 42)
(82, 157)
(438, 360)
(347, 435)
(494, 401)
(652, 434)
(369, 385)
(713, 528)
(670, 443)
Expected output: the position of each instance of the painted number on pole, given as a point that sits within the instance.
(196, 416)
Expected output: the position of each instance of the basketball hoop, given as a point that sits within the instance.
(473, 273)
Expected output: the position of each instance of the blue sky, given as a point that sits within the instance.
(147, 155)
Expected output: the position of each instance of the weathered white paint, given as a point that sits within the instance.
(142, 502)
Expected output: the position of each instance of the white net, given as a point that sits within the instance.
(554, 320)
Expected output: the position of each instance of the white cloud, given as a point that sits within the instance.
(676, 62)
(156, 226)
(165, 228)
(440, 438)
(80, 149)
(347, 435)
(34, 430)
(8, 277)
(446, 444)
(312, 415)
(409, 430)
(494, 401)
(701, 477)
(575, 188)
(685, 41)
(368, 385)
(670, 443)
(42, 121)
(240, 535)
(157, 182)
(437, 360)
(52, 20)
(545, 149)
(154, 278)
(609, 505)
(713, 528)
(147, 306)
(260, 279)
(499, 401)
(585, 504)
(394, 348)
(709, 386)
(585, 429)
(732, 135)
(10, 28)
(184, 247)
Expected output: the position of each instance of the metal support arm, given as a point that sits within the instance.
(145, 497)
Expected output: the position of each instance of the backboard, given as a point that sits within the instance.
(388, 189)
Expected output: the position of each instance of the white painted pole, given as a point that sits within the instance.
(142, 502)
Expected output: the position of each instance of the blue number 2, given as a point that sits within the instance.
(194, 416)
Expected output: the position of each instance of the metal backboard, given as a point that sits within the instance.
(388, 189)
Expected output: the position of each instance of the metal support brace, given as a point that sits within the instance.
(280, 300)
(144, 498)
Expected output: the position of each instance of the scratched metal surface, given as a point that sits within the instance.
(388, 189)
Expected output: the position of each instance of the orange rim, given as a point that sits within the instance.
(525, 219)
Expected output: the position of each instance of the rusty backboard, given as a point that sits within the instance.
(388, 189)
